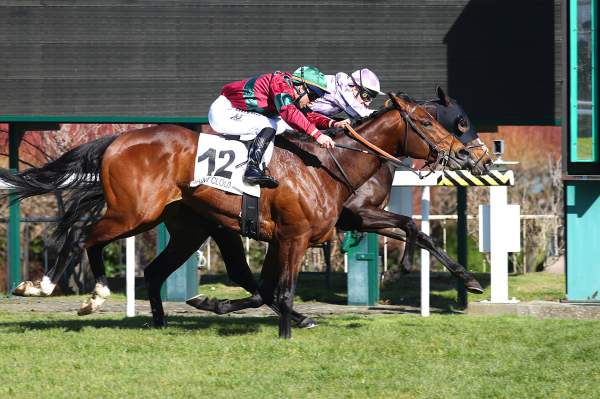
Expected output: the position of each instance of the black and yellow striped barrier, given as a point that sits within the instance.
(464, 179)
(457, 178)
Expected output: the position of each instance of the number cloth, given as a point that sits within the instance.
(220, 163)
(247, 106)
(341, 98)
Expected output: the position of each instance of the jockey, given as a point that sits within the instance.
(269, 104)
(352, 94)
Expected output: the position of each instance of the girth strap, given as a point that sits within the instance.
(347, 180)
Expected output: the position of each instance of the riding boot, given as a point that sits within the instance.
(253, 174)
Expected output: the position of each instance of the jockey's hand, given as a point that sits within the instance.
(325, 141)
(343, 124)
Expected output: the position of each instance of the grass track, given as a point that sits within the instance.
(405, 291)
(405, 356)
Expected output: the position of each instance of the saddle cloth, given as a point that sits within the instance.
(221, 163)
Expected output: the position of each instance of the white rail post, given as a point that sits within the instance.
(498, 254)
(499, 234)
(425, 254)
(130, 275)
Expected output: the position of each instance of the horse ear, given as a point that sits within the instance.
(398, 101)
(443, 97)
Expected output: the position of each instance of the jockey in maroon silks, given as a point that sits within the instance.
(267, 105)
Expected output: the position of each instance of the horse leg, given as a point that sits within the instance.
(68, 256)
(279, 276)
(233, 253)
(182, 243)
(457, 270)
(426, 242)
(373, 219)
(232, 249)
(101, 291)
(263, 296)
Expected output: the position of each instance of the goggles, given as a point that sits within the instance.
(365, 94)
(313, 92)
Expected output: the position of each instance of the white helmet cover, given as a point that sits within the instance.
(367, 79)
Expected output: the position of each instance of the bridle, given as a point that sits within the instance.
(468, 144)
(441, 158)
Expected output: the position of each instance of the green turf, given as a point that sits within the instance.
(399, 356)
(404, 291)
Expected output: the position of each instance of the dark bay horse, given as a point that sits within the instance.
(363, 211)
(145, 177)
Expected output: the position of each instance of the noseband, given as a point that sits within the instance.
(429, 104)
(441, 157)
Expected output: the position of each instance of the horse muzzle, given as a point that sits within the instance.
(461, 160)
(476, 167)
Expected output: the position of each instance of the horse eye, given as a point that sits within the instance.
(426, 123)
(463, 125)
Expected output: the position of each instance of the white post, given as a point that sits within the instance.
(208, 254)
(498, 253)
(346, 262)
(385, 253)
(130, 275)
(425, 254)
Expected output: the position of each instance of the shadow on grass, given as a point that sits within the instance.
(405, 291)
(225, 326)
(443, 287)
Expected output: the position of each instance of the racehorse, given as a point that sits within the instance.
(363, 211)
(145, 176)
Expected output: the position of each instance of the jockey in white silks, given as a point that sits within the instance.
(351, 94)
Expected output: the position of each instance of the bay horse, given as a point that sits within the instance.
(145, 176)
(364, 212)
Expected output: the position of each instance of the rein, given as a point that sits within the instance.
(441, 159)
(371, 146)
(383, 158)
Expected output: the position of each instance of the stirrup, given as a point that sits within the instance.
(265, 181)
(253, 175)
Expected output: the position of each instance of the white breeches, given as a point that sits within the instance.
(226, 119)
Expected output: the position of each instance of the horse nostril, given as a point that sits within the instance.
(463, 154)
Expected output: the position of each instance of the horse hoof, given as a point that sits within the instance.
(158, 325)
(199, 302)
(307, 323)
(85, 310)
(91, 305)
(474, 287)
(28, 288)
(102, 290)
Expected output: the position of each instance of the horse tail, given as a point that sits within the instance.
(75, 169)
(78, 172)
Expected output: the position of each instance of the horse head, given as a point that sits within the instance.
(453, 117)
(430, 140)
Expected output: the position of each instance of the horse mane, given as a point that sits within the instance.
(373, 115)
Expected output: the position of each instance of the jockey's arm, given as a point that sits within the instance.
(320, 120)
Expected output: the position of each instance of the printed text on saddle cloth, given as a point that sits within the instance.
(221, 163)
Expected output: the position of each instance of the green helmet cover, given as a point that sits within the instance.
(311, 76)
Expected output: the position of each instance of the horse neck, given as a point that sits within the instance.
(386, 132)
